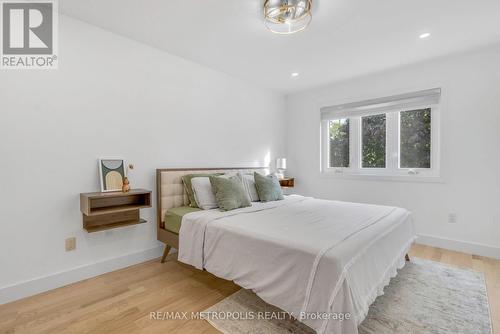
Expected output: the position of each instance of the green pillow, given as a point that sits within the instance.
(268, 187)
(186, 179)
(229, 192)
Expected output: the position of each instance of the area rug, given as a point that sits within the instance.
(425, 297)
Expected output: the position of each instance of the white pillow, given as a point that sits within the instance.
(249, 183)
(203, 193)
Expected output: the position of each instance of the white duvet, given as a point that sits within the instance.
(317, 259)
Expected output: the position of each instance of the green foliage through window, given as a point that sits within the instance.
(415, 140)
(339, 142)
(414, 130)
(374, 134)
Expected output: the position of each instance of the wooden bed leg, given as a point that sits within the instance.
(407, 258)
(165, 253)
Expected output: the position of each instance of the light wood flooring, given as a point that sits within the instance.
(121, 301)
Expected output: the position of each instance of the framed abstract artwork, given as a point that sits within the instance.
(112, 172)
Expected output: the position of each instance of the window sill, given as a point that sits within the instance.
(389, 178)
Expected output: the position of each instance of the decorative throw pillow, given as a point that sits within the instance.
(229, 192)
(249, 183)
(268, 187)
(203, 194)
(186, 179)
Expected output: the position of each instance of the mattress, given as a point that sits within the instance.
(173, 217)
(315, 259)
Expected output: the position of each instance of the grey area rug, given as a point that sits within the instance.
(425, 297)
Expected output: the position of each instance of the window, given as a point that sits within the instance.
(415, 138)
(373, 131)
(339, 142)
(393, 137)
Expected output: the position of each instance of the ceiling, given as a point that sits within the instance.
(347, 38)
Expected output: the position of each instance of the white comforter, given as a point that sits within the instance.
(313, 258)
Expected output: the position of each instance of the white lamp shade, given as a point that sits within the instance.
(281, 163)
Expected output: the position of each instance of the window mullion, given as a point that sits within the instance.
(325, 147)
(355, 141)
(392, 144)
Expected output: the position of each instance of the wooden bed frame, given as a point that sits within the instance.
(169, 238)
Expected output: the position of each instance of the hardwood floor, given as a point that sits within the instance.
(121, 301)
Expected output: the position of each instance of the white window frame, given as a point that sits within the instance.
(392, 172)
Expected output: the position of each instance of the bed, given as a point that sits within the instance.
(319, 260)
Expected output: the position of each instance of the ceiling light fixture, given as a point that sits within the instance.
(287, 16)
(424, 35)
(294, 74)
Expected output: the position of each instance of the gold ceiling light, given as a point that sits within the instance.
(287, 16)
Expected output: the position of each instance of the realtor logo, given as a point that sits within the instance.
(29, 31)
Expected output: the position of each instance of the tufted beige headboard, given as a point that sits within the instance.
(170, 191)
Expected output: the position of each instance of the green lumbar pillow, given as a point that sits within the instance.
(186, 179)
(229, 192)
(268, 187)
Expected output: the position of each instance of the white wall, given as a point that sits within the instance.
(111, 96)
(470, 145)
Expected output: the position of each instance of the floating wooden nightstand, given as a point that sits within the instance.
(288, 182)
(102, 211)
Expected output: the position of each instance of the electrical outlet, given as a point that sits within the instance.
(70, 244)
(452, 218)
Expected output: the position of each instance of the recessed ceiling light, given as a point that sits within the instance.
(424, 35)
(294, 74)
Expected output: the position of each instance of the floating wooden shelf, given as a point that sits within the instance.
(91, 229)
(103, 211)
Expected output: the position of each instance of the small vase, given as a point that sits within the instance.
(126, 185)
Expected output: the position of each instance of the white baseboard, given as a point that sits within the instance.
(459, 246)
(53, 281)
(41, 284)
